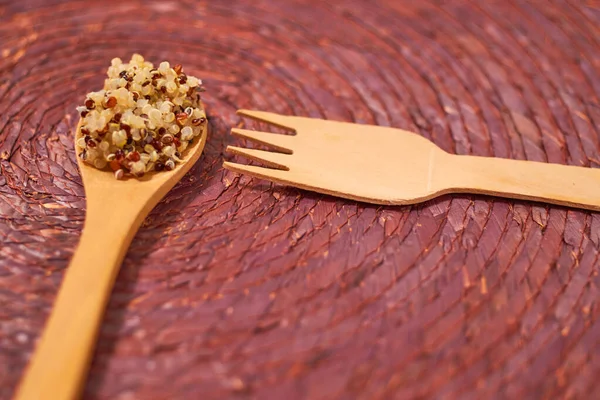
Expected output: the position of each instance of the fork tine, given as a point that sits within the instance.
(281, 143)
(276, 160)
(276, 175)
(276, 119)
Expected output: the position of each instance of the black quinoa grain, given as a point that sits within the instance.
(126, 128)
(157, 144)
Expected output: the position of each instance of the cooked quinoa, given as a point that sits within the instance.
(143, 119)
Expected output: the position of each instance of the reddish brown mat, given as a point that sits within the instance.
(235, 288)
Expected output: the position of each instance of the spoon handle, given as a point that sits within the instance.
(60, 364)
(564, 185)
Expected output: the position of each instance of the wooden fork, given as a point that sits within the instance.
(385, 165)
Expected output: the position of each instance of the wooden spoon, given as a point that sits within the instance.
(115, 211)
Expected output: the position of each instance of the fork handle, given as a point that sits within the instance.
(563, 185)
(59, 366)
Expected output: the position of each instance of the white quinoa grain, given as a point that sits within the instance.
(169, 151)
(119, 138)
(186, 133)
(166, 107)
(155, 115)
(193, 82)
(170, 117)
(163, 67)
(147, 108)
(99, 163)
(171, 87)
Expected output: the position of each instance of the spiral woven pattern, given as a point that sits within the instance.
(238, 288)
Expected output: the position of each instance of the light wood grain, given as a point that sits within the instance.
(115, 211)
(385, 165)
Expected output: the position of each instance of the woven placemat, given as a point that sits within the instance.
(237, 288)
